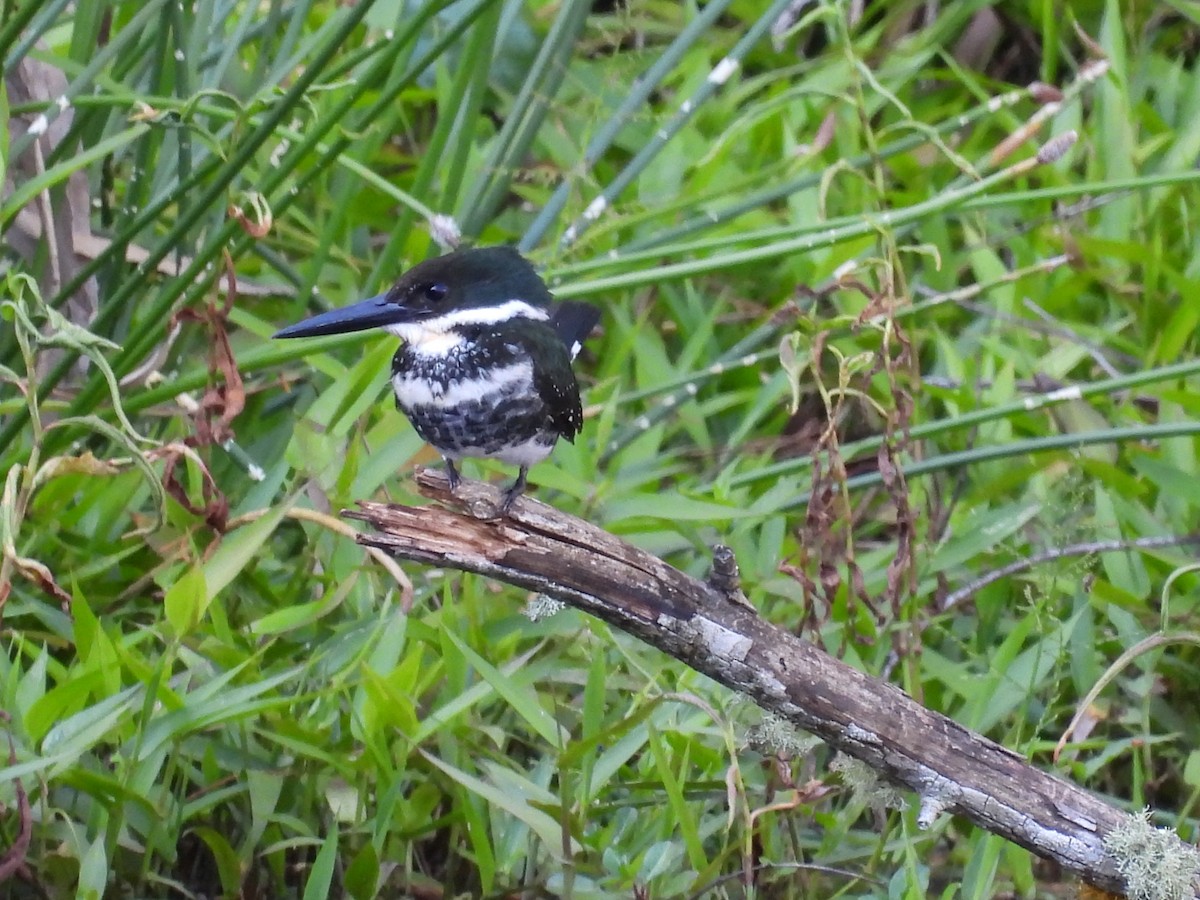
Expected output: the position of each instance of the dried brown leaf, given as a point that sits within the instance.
(85, 464)
(41, 575)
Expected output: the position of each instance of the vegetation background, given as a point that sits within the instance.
(816, 230)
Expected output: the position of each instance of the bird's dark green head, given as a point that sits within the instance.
(486, 284)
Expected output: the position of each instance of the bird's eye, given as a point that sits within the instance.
(435, 292)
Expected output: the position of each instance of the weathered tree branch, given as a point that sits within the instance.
(708, 627)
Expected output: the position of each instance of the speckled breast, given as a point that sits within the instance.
(475, 402)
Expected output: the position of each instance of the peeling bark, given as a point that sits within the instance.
(950, 767)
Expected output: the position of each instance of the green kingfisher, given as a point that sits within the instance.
(485, 367)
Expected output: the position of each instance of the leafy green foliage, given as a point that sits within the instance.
(853, 329)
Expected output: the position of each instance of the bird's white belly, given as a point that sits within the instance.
(526, 453)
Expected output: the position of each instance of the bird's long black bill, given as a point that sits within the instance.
(373, 312)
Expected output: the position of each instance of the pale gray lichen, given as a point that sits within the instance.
(1155, 863)
(777, 735)
(542, 607)
(865, 785)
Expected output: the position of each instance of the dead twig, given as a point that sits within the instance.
(950, 767)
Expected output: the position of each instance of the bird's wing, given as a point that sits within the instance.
(554, 379)
(573, 322)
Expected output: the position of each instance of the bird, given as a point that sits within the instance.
(484, 369)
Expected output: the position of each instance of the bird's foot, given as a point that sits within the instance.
(517, 489)
(510, 497)
(485, 509)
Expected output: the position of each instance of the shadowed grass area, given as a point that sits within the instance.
(855, 327)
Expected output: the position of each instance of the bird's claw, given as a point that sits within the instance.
(510, 497)
(517, 489)
(485, 509)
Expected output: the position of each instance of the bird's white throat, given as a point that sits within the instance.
(437, 336)
(427, 341)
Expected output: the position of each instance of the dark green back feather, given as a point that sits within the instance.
(553, 378)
